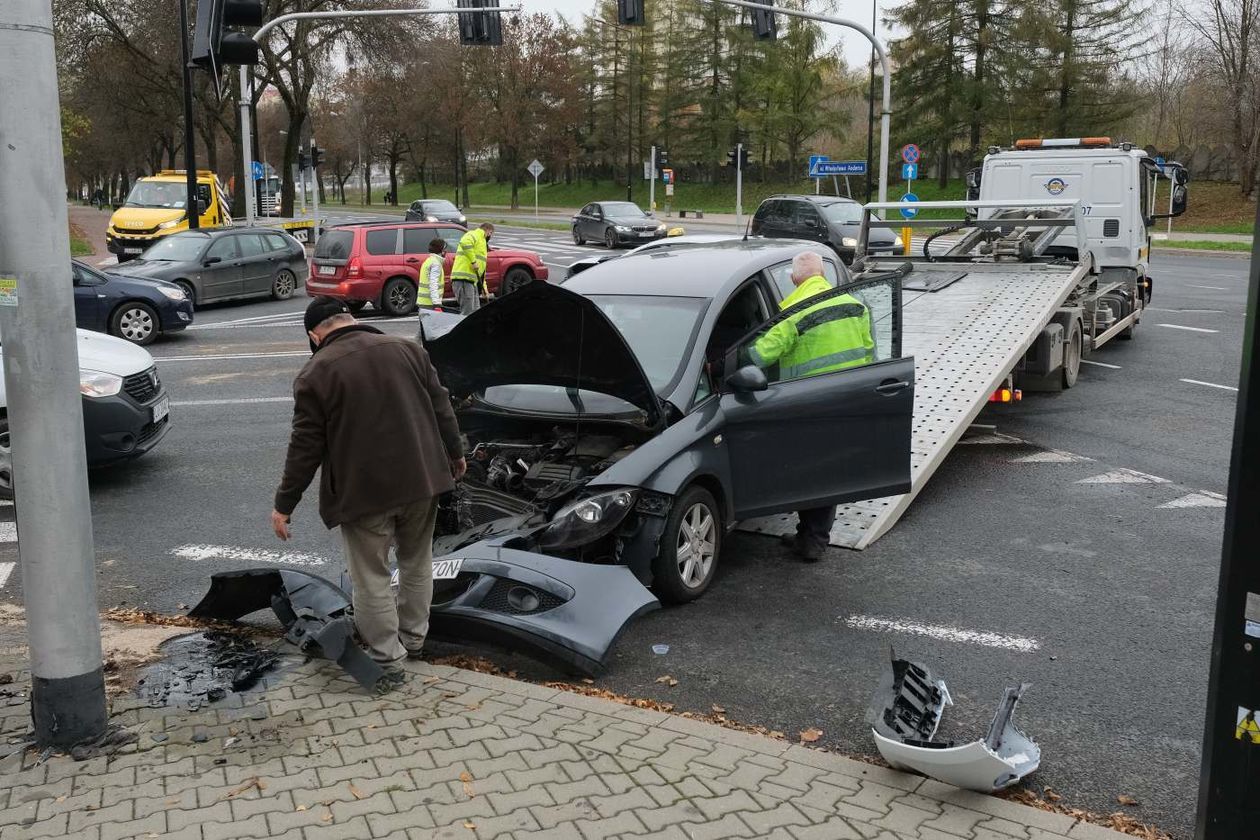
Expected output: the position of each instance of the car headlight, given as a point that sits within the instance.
(848, 242)
(660, 228)
(173, 294)
(168, 225)
(588, 519)
(95, 383)
(621, 228)
(897, 243)
(463, 219)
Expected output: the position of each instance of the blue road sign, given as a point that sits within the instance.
(1159, 161)
(257, 171)
(909, 212)
(837, 167)
(814, 160)
(909, 171)
(910, 153)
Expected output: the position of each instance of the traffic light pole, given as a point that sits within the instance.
(652, 183)
(739, 186)
(41, 376)
(315, 193)
(886, 111)
(246, 150)
(191, 208)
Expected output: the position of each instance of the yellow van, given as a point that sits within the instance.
(155, 207)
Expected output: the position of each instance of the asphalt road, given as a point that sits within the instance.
(1080, 554)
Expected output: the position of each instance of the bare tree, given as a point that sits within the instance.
(1228, 32)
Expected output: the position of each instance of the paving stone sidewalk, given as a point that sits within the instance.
(461, 754)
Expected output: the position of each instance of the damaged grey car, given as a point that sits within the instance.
(616, 420)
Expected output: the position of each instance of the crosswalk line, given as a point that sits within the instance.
(1124, 476)
(8, 532)
(1051, 456)
(6, 569)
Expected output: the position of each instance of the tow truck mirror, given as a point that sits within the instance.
(1179, 199)
(747, 379)
(201, 207)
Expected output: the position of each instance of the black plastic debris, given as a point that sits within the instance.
(312, 610)
(206, 667)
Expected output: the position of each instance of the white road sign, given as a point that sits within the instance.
(535, 168)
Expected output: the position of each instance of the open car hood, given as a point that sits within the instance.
(540, 335)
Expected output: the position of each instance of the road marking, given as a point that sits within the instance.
(942, 633)
(8, 532)
(1100, 364)
(1210, 384)
(219, 357)
(1214, 288)
(246, 401)
(1051, 456)
(1203, 498)
(1123, 476)
(248, 555)
(275, 316)
(6, 569)
(1191, 311)
(1187, 329)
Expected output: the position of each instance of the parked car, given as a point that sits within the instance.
(616, 223)
(832, 220)
(379, 263)
(434, 210)
(218, 264)
(129, 308)
(126, 411)
(673, 241)
(616, 419)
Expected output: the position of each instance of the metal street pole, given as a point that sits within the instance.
(259, 35)
(315, 194)
(1230, 775)
(41, 375)
(885, 113)
(870, 116)
(652, 182)
(739, 186)
(190, 152)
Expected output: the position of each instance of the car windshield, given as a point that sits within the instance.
(178, 248)
(843, 212)
(157, 194)
(622, 208)
(440, 207)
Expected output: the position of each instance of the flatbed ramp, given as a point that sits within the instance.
(965, 339)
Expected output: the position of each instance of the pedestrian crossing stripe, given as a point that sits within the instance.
(1247, 730)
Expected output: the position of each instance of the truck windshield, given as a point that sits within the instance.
(182, 247)
(157, 194)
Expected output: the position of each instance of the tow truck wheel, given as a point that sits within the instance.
(689, 547)
(1072, 355)
(398, 297)
(283, 286)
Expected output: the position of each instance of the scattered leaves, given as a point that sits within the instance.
(431, 680)
(472, 707)
(470, 825)
(809, 736)
(467, 779)
(174, 800)
(326, 818)
(774, 733)
(300, 808)
(252, 783)
(718, 710)
(1119, 821)
(667, 680)
(61, 798)
(588, 680)
(355, 792)
(1125, 799)
(1052, 795)
(469, 663)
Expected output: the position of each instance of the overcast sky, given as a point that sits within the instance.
(855, 48)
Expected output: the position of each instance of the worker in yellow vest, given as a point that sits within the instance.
(468, 274)
(431, 282)
(831, 335)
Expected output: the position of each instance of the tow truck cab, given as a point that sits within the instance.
(156, 207)
(1117, 185)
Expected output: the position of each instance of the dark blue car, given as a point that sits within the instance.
(130, 308)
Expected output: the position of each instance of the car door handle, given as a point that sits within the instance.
(412, 260)
(892, 386)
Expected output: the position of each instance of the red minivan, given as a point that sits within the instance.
(379, 263)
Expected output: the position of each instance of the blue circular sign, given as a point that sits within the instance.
(257, 171)
(910, 153)
(909, 212)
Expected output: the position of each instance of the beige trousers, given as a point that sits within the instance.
(390, 631)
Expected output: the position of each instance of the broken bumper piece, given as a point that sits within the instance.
(904, 717)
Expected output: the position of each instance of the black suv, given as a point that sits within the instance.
(828, 219)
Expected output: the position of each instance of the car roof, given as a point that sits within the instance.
(392, 223)
(814, 199)
(705, 271)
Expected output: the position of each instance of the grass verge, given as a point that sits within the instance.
(1203, 245)
(522, 223)
(79, 245)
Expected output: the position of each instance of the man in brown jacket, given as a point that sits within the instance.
(370, 413)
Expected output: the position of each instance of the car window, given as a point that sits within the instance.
(763, 212)
(449, 235)
(382, 242)
(843, 212)
(86, 276)
(203, 194)
(658, 329)
(251, 245)
(224, 248)
(335, 245)
(781, 276)
(417, 206)
(588, 210)
(416, 240)
(276, 242)
(804, 214)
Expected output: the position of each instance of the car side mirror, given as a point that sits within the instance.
(748, 379)
(212, 260)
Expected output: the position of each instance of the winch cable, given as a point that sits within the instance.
(942, 232)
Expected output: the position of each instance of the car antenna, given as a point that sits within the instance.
(747, 228)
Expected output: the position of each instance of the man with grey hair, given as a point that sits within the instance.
(370, 414)
(825, 332)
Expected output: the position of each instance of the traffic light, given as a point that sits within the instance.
(739, 153)
(631, 13)
(317, 156)
(730, 156)
(743, 157)
(304, 161)
(215, 43)
(479, 29)
(662, 158)
(765, 27)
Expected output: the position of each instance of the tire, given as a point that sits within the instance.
(1072, 355)
(398, 298)
(6, 460)
(284, 285)
(610, 238)
(135, 322)
(514, 280)
(674, 578)
(355, 306)
(578, 238)
(189, 291)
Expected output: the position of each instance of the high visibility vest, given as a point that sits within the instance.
(423, 296)
(832, 335)
(470, 257)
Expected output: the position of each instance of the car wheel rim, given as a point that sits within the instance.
(398, 297)
(6, 465)
(577, 239)
(610, 239)
(135, 325)
(696, 546)
(284, 285)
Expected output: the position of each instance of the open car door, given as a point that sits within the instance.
(801, 438)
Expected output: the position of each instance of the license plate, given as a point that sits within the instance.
(132, 250)
(328, 269)
(644, 235)
(162, 409)
(447, 569)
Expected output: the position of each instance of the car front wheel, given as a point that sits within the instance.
(578, 238)
(610, 238)
(135, 322)
(689, 547)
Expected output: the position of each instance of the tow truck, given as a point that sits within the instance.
(1046, 262)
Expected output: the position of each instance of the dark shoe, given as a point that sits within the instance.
(791, 542)
(418, 653)
(810, 552)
